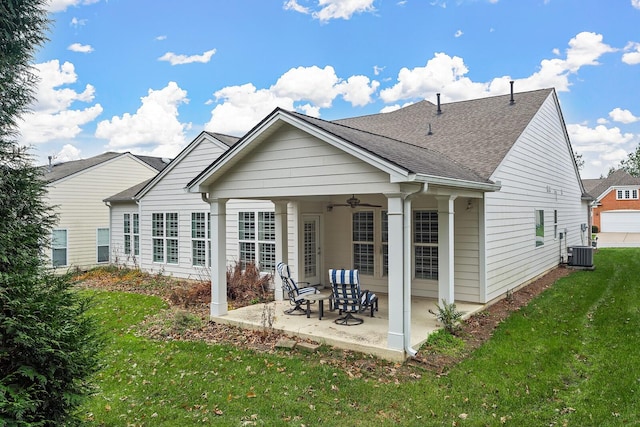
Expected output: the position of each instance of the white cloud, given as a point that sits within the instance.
(161, 38)
(75, 22)
(601, 147)
(154, 123)
(377, 70)
(458, 33)
(622, 116)
(447, 74)
(306, 89)
(67, 154)
(296, 7)
(635, 3)
(332, 9)
(632, 53)
(358, 90)
(54, 6)
(80, 48)
(175, 59)
(242, 107)
(52, 116)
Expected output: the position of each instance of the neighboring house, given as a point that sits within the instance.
(616, 207)
(76, 189)
(460, 201)
(157, 226)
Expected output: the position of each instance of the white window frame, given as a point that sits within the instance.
(627, 194)
(165, 237)
(363, 241)
(55, 247)
(99, 245)
(425, 265)
(131, 233)
(257, 239)
(538, 219)
(201, 239)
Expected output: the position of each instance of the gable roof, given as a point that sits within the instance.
(464, 142)
(139, 190)
(62, 170)
(600, 187)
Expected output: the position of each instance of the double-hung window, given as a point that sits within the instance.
(59, 248)
(102, 244)
(200, 239)
(164, 234)
(425, 244)
(363, 242)
(132, 234)
(257, 235)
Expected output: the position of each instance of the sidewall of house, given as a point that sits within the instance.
(537, 174)
(610, 203)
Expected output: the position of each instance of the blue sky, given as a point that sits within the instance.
(148, 76)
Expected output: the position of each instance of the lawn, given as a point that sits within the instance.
(569, 358)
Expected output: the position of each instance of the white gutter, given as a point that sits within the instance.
(458, 183)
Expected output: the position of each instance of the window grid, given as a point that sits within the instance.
(425, 240)
(257, 246)
(164, 230)
(385, 242)
(200, 239)
(363, 242)
(629, 194)
(131, 223)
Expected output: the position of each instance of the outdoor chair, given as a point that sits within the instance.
(295, 293)
(349, 298)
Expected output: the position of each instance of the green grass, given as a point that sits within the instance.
(570, 358)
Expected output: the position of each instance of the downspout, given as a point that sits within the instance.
(407, 269)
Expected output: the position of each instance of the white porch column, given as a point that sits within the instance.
(282, 242)
(218, 228)
(396, 278)
(445, 249)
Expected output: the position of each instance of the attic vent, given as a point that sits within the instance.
(430, 132)
(439, 109)
(511, 101)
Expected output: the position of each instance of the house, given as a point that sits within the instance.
(76, 190)
(461, 201)
(616, 207)
(159, 227)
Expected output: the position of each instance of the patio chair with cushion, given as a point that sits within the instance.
(296, 294)
(349, 298)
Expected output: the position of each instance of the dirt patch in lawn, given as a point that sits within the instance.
(188, 320)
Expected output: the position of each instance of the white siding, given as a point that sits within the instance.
(79, 200)
(169, 195)
(536, 174)
(118, 256)
(291, 163)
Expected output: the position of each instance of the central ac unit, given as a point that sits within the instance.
(580, 256)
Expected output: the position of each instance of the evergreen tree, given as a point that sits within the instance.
(48, 344)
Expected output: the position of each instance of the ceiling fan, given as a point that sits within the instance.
(352, 202)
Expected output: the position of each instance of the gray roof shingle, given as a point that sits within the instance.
(596, 187)
(63, 170)
(476, 134)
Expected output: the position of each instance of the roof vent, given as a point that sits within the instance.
(430, 132)
(439, 109)
(511, 101)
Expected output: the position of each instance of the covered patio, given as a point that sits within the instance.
(370, 337)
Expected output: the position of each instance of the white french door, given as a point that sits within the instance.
(311, 249)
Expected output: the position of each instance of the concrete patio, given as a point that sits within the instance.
(370, 337)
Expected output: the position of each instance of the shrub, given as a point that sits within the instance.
(594, 229)
(248, 283)
(449, 316)
(49, 348)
